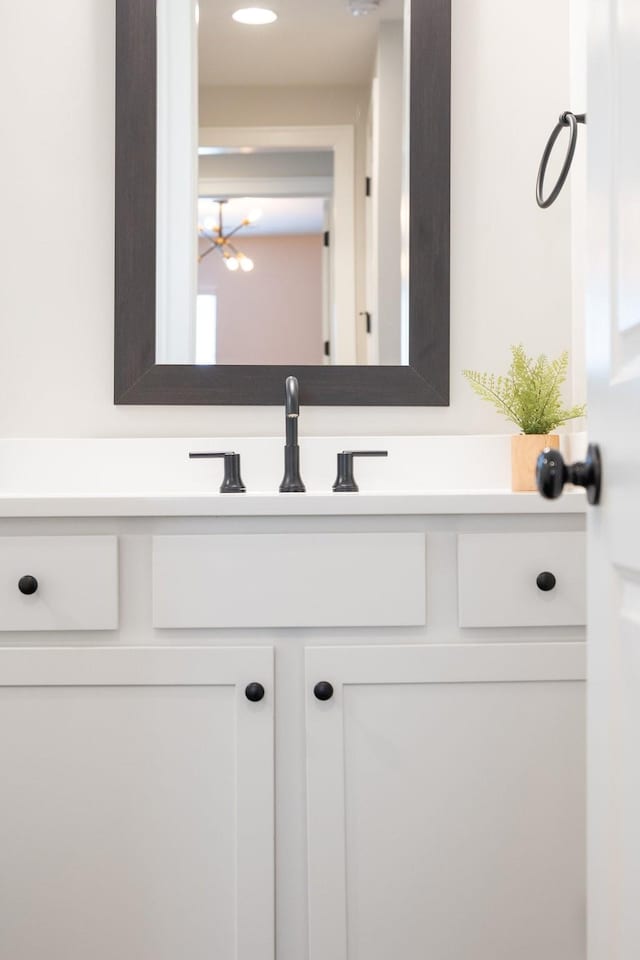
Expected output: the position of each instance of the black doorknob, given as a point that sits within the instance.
(27, 585)
(323, 690)
(552, 473)
(254, 692)
(545, 581)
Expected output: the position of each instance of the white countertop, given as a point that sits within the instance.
(154, 477)
(396, 503)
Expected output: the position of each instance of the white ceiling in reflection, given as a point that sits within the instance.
(280, 216)
(313, 42)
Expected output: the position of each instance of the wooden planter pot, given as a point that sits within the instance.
(525, 449)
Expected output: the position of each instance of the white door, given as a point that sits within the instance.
(446, 802)
(136, 807)
(613, 362)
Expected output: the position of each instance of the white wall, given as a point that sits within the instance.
(578, 190)
(511, 277)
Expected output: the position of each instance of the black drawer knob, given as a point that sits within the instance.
(27, 585)
(323, 690)
(545, 581)
(254, 692)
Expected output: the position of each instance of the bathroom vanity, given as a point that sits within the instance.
(297, 726)
(315, 725)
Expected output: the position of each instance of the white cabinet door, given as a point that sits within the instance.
(446, 801)
(136, 808)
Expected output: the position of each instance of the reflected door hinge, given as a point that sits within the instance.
(327, 348)
(367, 319)
(367, 186)
(327, 238)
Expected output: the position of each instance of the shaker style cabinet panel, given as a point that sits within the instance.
(59, 583)
(446, 802)
(136, 810)
(289, 580)
(522, 579)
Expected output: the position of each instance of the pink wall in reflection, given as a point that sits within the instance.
(273, 314)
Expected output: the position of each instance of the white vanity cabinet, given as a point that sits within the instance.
(137, 803)
(430, 808)
(58, 583)
(446, 802)
(289, 580)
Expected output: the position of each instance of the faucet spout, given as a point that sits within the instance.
(291, 397)
(292, 481)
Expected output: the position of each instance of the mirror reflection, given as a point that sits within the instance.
(302, 147)
(267, 213)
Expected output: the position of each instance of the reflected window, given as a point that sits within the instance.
(206, 327)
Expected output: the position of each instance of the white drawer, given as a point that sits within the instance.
(77, 583)
(497, 579)
(289, 580)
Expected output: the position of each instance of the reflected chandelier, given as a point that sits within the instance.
(215, 234)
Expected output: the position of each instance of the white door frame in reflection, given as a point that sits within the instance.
(340, 140)
(176, 180)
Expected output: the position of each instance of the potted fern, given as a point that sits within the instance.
(529, 396)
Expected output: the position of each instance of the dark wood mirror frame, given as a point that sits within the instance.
(140, 380)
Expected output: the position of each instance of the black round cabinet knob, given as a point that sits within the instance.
(552, 473)
(254, 692)
(545, 581)
(323, 690)
(27, 585)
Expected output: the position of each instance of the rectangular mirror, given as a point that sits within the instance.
(282, 201)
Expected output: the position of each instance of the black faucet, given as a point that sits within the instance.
(292, 481)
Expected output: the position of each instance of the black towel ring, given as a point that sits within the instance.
(567, 119)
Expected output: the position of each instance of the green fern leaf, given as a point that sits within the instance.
(530, 394)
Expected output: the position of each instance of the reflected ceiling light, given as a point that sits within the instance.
(360, 8)
(255, 16)
(214, 233)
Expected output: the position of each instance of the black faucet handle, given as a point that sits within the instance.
(345, 482)
(232, 482)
